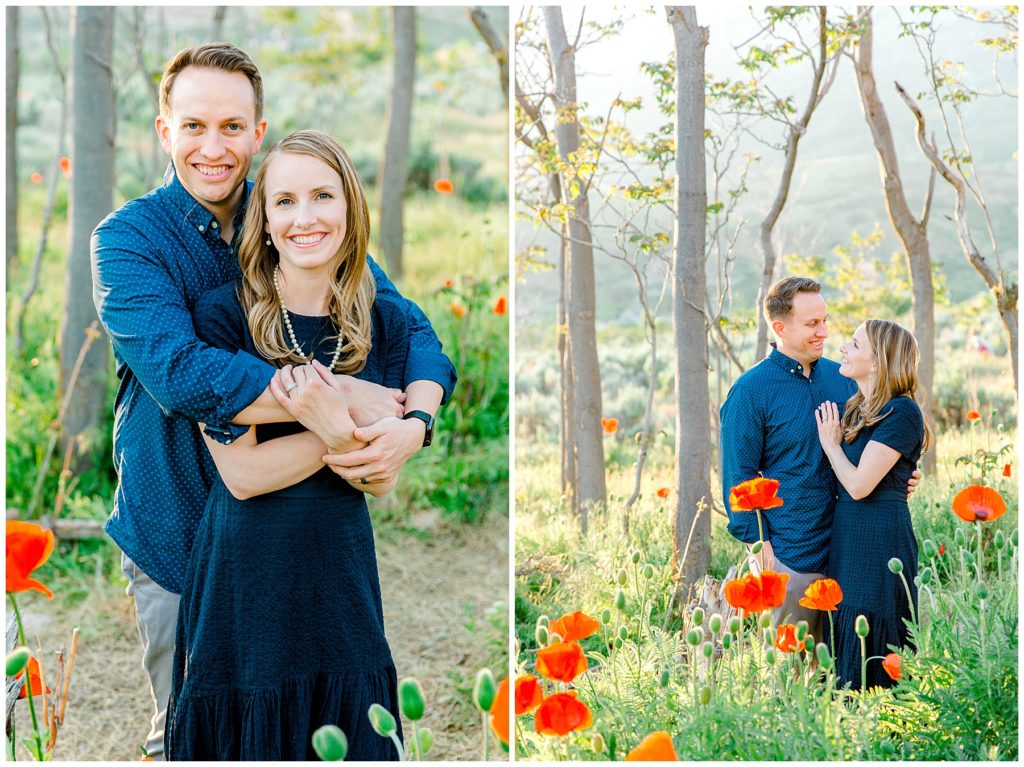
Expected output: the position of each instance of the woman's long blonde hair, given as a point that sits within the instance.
(352, 288)
(895, 375)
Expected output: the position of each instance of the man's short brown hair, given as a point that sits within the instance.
(779, 302)
(214, 56)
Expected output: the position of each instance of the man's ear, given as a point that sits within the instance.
(261, 131)
(163, 132)
(778, 326)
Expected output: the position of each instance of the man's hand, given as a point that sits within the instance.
(913, 482)
(392, 442)
(369, 402)
(315, 399)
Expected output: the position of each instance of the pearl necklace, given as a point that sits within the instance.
(291, 332)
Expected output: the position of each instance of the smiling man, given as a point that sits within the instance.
(152, 260)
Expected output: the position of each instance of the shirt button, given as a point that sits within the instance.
(202, 228)
(214, 224)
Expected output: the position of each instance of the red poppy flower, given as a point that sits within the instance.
(973, 415)
(501, 305)
(663, 492)
(35, 679)
(1006, 470)
(457, 309)
(561, 661)
(499, 711)
(28, 547)
(609, 425)
(448, 282)
(978, 503)
(65, 166)
(785, 639)
(444, 186)
(893, 665)
(574, 626)
(656, 747)
(942, 549)
(36, 177)
(561, 714)
(757, 493)
(822, 594)
(754, 593)
(528, 694)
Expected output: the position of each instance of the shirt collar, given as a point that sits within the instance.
(193, 213)
(787, 363)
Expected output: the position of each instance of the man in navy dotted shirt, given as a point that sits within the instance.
(152, 259)
(769, 430)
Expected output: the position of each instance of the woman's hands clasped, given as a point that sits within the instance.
(315, 399)
(830, 426)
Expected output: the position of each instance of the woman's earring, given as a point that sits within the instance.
(268, 239)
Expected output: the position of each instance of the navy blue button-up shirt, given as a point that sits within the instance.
(768, 429)
(151, 261)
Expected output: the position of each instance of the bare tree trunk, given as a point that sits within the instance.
(689, 323)
(11, 147)
(92, 192)
(1005, 292)
(913, 232)
(796, 132)
(567, 401)
(497, 47)
(219, 12)
(581, 297)
(395, 170)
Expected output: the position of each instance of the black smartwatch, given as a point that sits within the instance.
(428, 421)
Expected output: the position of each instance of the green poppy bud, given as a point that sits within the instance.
(726, 641)
(623, 633)
(606, 616)
(17, 659)
(666, 675)
(622, 577)
(958, 537)
(693, 637)
(861, 626)
(824, 658)
(765, 620)
(887, 747)
(698, 616)
(1013, 537)
(705, 695)
(410, 699)
(895, 565)
(620, 601)
(543, 620)
(541, 635)
(801, 630)
(770, 656)
(597, 743)
(484, 689)
(381, 720)
(999, 541)
(618, 643)
(735, 624)
(330, 743)
(422, 744)
(768, 636)
(636, 557)
(929, 548)
(554, 636)
(707, 649)
(982, 591)
(715, 623)
(756, 548)
(809, 642)
(926, 575)
(648, 571)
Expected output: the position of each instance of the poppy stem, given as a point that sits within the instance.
(416, 743)
(28, 682)
(760, 536)
(863, 665)
(831, 633)
(398, 745)
(981, 560)
(910, 599)
(483, 719)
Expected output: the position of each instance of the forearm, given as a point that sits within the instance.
(423, 395)
(264, 409)
(249, 470)
(845, 472)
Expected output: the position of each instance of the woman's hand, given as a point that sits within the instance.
(830, 427)
(316, 401)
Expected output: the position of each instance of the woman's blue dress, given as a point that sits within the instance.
(866, 534)
(281, 627)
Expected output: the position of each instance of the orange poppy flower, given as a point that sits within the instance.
(609, 425)
(942, 549)
(893, 665)
(448, 282)
(35, 679)
(501, 305)
(656, 747)
(65, 166)
(973, 415)
(1007, 471)
(663, 492)
(528, 694)
(28, 547)
(561, 714)
(757, 493)
(444, 186)
(561, 661)
(822, 594)
(785, 639)
(499, 711)
(754, 593)
(36, 177)
(457, 309)
(978, 503)
(574, 626)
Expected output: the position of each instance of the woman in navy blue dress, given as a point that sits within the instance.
(281, 627)
(873, 449)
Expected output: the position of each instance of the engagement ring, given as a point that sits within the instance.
(289, 387)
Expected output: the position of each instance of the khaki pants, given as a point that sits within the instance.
(156, 612)
(791, 610)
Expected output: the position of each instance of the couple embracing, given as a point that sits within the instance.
(843, 440)
(269, 376)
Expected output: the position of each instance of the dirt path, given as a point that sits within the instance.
(436, 594)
